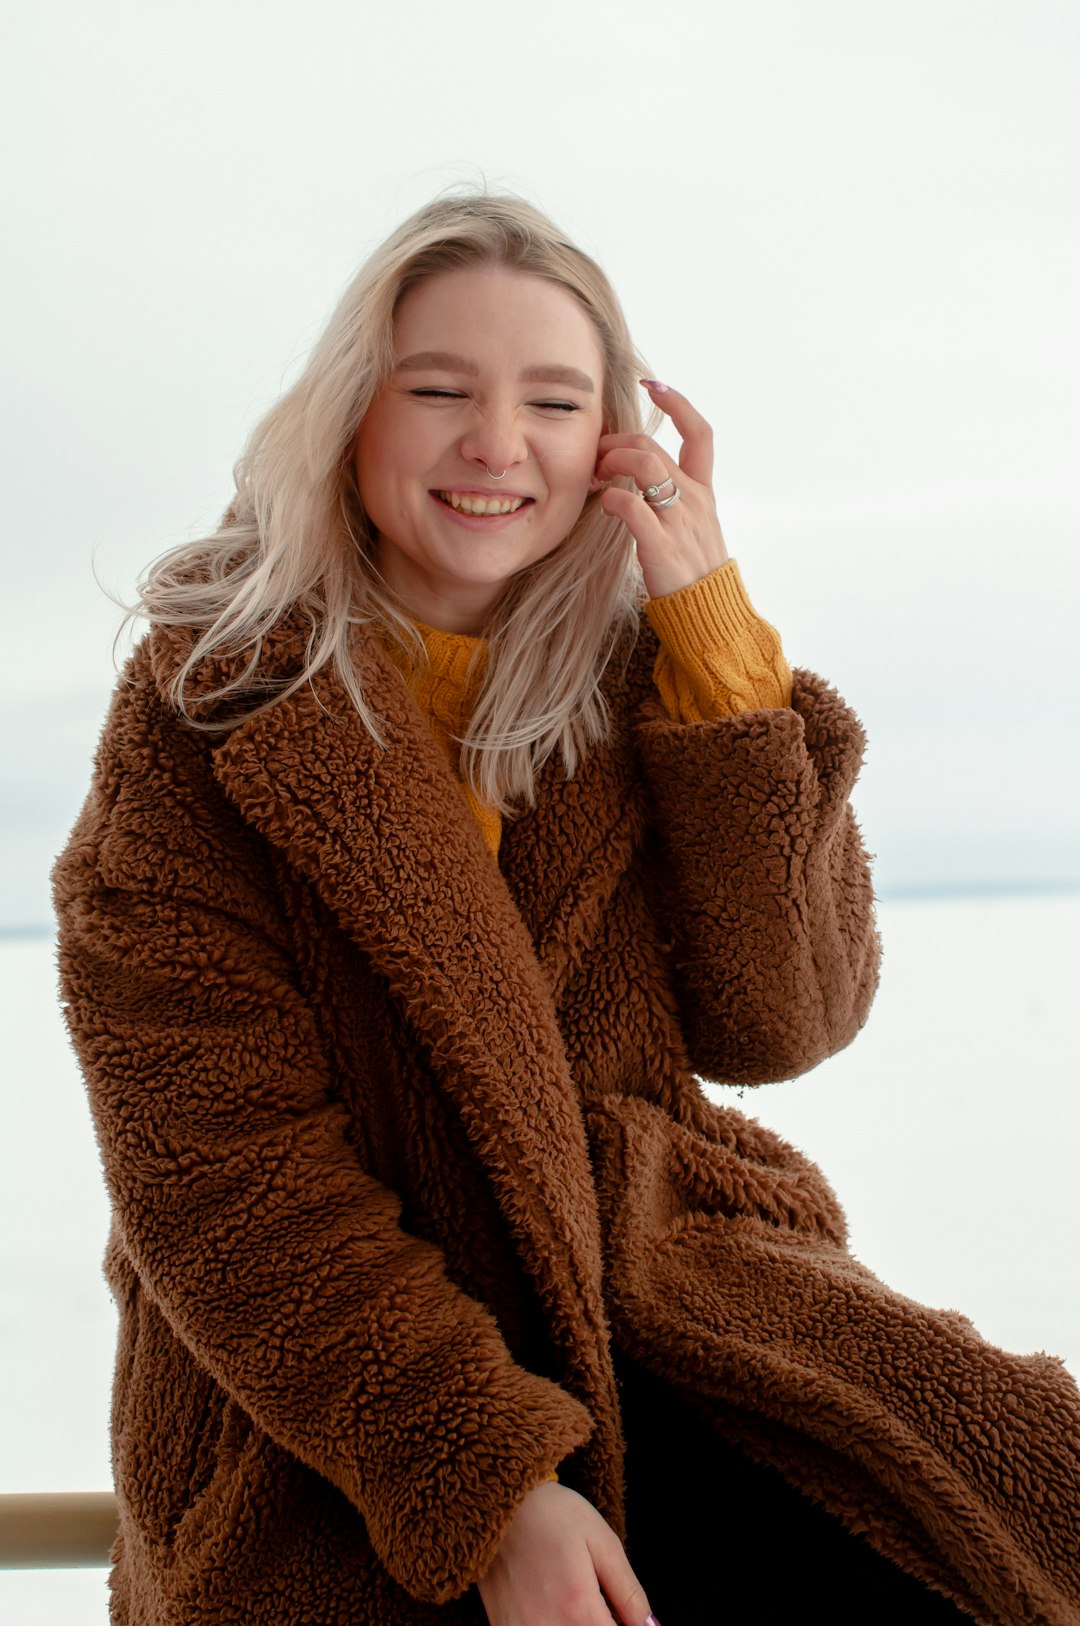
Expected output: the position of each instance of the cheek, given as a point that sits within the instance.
(367, 484)
(576, 463)
(366, 458)
(381, 461)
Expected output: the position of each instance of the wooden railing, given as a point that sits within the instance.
(57, 1530)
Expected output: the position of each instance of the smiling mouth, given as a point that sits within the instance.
(470, 504)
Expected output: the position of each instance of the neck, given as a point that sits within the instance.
(462, 607)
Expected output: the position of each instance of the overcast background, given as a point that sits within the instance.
(848, 230)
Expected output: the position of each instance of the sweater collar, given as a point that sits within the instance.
(446, 688)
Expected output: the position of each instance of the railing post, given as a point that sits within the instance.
(57, 1530)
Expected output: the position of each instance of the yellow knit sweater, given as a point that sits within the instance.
(717, 658)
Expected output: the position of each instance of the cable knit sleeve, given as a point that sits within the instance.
(717, 656)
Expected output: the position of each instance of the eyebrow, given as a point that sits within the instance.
(545, 372)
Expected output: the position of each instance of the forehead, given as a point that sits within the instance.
(490, 309)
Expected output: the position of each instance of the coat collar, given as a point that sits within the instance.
(474, 954)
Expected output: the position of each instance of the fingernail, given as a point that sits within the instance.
(652, 1621)
(653, 384)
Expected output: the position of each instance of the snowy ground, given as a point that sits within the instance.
(949, 1129)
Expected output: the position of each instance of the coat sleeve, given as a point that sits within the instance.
(763, 882)
(238, 1192)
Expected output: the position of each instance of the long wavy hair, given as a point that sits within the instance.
(296, 537)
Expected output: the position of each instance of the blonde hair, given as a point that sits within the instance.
(297, 539)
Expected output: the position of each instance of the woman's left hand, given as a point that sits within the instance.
(681, 543)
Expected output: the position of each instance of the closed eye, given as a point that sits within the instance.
(433, 394)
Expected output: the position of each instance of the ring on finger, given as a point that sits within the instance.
(654, 491)
(664, 502)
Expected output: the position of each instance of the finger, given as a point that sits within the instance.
(696, 456)
(634, 439)
(645, 526)
(621, 1587)
(646, 468)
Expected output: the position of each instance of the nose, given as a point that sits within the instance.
(495, 440)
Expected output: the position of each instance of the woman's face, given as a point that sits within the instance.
(494, 369)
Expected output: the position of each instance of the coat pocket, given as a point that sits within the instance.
(168, 1416)
(200, 1485)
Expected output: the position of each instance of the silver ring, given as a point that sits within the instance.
(491, 476)
(665, 502)
(654, 491)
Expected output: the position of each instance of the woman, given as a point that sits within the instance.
(457, 809)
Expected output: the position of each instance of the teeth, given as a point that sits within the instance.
(481, 505)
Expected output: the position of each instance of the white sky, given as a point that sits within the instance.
(848, 231)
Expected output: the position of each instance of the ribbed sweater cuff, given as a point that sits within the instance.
(718, 657)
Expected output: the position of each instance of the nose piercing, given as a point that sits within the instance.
(491, 476)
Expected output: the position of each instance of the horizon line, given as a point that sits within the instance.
(897, 892)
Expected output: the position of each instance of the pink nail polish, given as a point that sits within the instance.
(653, 384)
(652, 1621)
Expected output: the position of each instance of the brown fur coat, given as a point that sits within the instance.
(400, 1141)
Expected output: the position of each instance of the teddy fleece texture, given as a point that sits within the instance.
(401, 1141)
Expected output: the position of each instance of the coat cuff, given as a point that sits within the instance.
(438, 1537)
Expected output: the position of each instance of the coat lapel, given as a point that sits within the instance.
(563, 858)
(387, 840)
